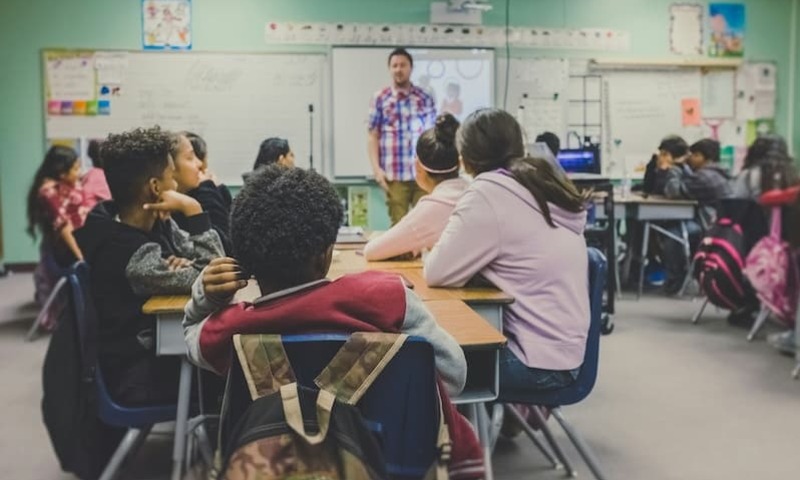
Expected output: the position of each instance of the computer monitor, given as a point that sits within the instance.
(584, 160)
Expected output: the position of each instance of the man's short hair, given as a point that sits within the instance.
(400, 51)
(708, 148)
(282, 219)
(131, 159)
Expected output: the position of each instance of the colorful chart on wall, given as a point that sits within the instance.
(726, 22)
(167, 24)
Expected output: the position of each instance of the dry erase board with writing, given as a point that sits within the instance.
(233, 100)
(642, 107)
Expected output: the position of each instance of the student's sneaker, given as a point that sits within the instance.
(783, 342)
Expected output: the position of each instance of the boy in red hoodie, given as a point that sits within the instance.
(283, 227)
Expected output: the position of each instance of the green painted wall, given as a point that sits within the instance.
(27, 26)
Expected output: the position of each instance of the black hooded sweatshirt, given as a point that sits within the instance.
(128, 265)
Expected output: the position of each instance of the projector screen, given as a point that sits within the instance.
(460, 81)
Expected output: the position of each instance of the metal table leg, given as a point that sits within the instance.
(182, 418)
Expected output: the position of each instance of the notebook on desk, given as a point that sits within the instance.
(351, 235)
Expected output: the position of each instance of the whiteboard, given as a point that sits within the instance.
(358, 73)
(234, 101)
(539, 86)
(641, 108)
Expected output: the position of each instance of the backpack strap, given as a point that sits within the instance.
(264, 363)
(358, 363)
(294, 414)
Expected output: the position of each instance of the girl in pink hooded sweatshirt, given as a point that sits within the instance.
(437, 174)
(520, 226)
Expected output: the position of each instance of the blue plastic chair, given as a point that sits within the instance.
(576, 392)
(138, 420)
(401, 407)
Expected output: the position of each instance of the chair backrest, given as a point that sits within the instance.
(586, 378)
(108, 410)
(401, 407)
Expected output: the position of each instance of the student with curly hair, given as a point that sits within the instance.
(283, 225)
(135, 253)
(436, 174)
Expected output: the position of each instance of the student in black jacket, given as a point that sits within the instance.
(135, 251)
(192, 181)
(201, 152)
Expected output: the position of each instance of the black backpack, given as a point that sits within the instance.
(82, 443)
(289, 431)
(720, 256)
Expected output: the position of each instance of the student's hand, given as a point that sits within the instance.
(222, 278)
(380, 178)
(172, 201)
(176, 263)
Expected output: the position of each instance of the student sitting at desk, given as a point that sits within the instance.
(201, 152)
(95, 187)
(537, 255)
(133, 254)
(193, 182)
(767, 165)
(56, 207)
(700, 177)
(671, 150)
(284, 225)
(273, 150)
(437, 174)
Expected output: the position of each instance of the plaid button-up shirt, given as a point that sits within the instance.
(400, 118)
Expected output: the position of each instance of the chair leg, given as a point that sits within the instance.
(128, 441)
(697, 315)
(551, 440)
(31, 336)
(687, 280)
(796, 371)
(532, 435)
(495, 423)
(645, 251)
(137, 445)
(763, 314)
(580, 445)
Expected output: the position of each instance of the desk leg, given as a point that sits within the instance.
(643, 260)
(182, 418)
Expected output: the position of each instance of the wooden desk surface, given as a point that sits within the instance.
(348, 261)
(637, 198)
(471, 295)
(466, 326)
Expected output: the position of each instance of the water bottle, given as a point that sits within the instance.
(626, 185)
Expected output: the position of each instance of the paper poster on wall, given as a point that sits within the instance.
(111, 67)
(690, 112)
(167, 24)
(70, 77)
(756, 91)
(686, 29)
(719, 92)
(726, 22)
(358, 206)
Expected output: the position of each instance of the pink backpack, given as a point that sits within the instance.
(773, 272)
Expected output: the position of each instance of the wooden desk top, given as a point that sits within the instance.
(463, 323)
(471, 295)
(348, 261)
(467, 327)
(637, 198)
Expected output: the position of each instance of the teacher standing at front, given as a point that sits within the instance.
(398, 116)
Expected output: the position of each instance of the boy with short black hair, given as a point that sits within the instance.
(700, 177)
(135, 251)
(284, 224)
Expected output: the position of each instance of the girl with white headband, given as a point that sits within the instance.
(437, 173)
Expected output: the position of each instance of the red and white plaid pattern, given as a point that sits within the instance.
(400, 118)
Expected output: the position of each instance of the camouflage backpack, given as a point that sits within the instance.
(290, 431)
